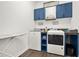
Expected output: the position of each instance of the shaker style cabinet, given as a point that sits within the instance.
(64, 10)
(38, 41)
(54, 12)
(59, 11)
(68, 10)
(72, 42)
(35, 41)
(50, 12)
(39, 14)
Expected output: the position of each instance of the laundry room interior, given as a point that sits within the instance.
(39, 28)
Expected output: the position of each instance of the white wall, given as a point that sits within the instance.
(75, 19)
(13, 46)
(16, 18)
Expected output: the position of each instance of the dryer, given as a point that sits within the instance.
(56, 42)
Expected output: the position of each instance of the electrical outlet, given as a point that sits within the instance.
(40, 23)
(55, 22)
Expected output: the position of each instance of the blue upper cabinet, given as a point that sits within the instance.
(64, 10)
(68, 10)
(39, 14)
(59, 11)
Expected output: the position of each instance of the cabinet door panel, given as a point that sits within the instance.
(64, 10)
(35, 41)
(42, 14)
(59, 11)
(39, 14)
(50, 13)
(74, 40)
(36, 14)
(68, 10)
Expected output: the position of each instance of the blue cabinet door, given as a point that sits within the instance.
(67, 10)
(36, 13)
(39, 14)
(59, 11)
(64, 10)
(74, 40)
(74, 43)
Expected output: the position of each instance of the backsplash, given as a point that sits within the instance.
(59, 23)
(55, 22)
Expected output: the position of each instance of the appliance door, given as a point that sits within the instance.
(55, 39)
(56, 44)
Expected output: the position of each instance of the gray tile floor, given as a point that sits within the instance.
(34, 53)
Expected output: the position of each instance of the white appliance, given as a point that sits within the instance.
(35, 40)
(56, 42)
